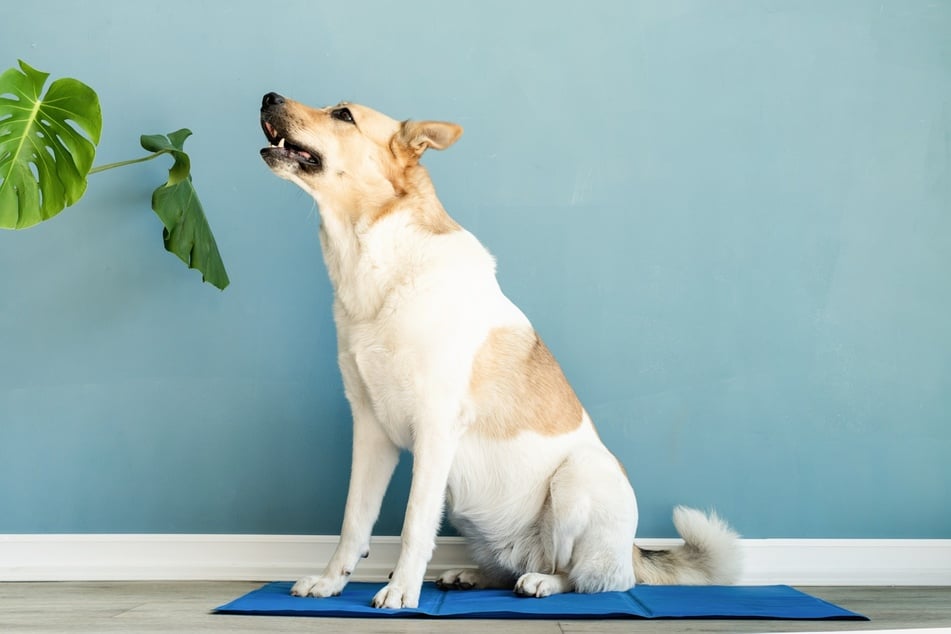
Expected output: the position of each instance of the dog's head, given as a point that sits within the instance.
(348, 157)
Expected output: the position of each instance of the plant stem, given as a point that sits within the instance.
(109, 166)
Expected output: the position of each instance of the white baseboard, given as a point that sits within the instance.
(804, 562)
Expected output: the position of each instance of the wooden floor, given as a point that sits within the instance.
(146, 606)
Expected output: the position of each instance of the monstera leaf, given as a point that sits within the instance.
(47, 144)
(186, 233)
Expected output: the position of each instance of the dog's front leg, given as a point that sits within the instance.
(374, 459)
(433, 450)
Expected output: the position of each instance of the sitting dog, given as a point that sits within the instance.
(437, 360)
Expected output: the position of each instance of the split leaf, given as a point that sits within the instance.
(47, 144)
(186, 233)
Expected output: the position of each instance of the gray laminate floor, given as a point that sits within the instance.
(185, 606)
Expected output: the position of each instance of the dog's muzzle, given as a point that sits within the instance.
(282, 152)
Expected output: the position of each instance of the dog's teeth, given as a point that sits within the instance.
(280, 142)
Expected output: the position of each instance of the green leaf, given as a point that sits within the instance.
(172, 144)
(187, 233)
(47, 144)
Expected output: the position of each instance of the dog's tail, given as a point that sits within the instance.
(710, 554)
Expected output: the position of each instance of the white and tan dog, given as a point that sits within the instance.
(437, 360)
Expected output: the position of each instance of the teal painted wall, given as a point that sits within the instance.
(731, 221)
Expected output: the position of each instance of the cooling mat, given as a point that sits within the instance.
(648, 602)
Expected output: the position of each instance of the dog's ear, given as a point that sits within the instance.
(419, 136)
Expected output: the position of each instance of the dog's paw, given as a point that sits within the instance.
(320, 586)
(534, 584)
(395, 597)
(459, 579)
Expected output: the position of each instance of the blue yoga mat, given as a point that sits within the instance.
(649, 602)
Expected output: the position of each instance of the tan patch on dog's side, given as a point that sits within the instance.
(518, 386)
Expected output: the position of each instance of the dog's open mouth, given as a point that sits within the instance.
(282, 149)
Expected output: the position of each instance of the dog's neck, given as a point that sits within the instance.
(370, 249)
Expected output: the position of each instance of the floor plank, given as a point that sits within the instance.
(154, 607)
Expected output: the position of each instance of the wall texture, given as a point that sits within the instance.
(731, 222)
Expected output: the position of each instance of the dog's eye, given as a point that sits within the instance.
(342, 114)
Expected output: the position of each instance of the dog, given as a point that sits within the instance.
(437, 360)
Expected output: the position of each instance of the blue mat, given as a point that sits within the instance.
(649, 602)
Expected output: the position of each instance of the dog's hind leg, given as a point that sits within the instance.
(601, 558)
(374, 459)
(588, 528)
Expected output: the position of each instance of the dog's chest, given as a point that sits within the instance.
(375, 374)
(413, 364)
(411, 314)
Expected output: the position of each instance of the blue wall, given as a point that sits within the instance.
(731, 221)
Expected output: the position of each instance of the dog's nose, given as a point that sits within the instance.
(272, 99)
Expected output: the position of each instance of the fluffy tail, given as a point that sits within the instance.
(709, 556)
